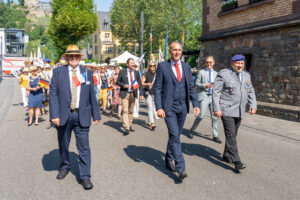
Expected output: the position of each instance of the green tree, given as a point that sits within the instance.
(12, 16)
(71, 21)
(21, 2)
(175, 15)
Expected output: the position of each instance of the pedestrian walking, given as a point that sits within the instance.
(148, 83)
(232, 91)
(173, 91)
(23, 83)
(35, 96)
(130, 82)
(116, 100)
(103, 88)
(204, 81)
(72, 105)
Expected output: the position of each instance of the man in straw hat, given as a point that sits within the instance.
(72, 104)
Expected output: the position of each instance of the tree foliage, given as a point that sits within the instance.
(175, 15)
(71, 21)
(12, 15)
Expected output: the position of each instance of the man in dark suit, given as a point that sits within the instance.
(72, 104)
(129, 81)
(173, 90)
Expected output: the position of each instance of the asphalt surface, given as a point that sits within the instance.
(132, 167)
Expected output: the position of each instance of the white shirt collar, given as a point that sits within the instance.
(70, 68)
(173, 63)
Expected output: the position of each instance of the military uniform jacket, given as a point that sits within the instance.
(230, 95)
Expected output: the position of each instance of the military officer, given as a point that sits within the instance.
(231, 92)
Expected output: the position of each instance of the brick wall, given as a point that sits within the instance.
(273, 9)
(275, 66)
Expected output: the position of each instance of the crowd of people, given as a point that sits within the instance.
(77, 92)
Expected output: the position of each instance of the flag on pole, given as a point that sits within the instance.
(161, 56)
(44, 83)
(182, 38)
(150, 39)
(166, 45)
(135, 85)
(140, 60)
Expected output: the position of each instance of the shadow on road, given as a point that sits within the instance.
(51, 162)
(150, 156)
(185, 132)
(116, 125)
(205, 152)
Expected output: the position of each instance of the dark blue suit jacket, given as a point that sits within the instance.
(165, 83)
(60, 97)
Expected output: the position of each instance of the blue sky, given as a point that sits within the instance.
(103, 5)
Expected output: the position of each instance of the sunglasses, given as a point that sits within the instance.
(152, 65)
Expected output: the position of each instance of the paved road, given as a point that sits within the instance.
(132, 167)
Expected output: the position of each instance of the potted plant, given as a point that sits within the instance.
(254, 1)
(229, 5)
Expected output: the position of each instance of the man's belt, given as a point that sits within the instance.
(74, 111)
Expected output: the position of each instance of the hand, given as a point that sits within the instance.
(95, 122)
(149, 84)
(126, 86)
(161, 113)
(208, 85)
(38, 87)
(142, 98)
(196, 111)
(218, 114)
(55, 121)
(252, 111)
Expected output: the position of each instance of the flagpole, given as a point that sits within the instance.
(151, 41)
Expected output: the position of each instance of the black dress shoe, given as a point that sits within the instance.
(131, 129)
(182, 175)
(217, 140)
(62, 173)
(191, 134)
(170, 166)
(126, 132)
(87, 184)
(239, 165)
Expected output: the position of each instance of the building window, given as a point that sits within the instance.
(15, 43)
(105, 24)
(109, 50)
(254, 1)
(229, 5)
(248, 62)
(120, 49)
(107, 36)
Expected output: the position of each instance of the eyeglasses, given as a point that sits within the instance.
(209, 62)
(74, 57)
(151, 65)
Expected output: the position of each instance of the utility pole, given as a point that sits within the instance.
(142, 40)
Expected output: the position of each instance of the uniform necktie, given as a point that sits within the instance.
(178, 72)
(209, 81)
(73, 91)
(131, 79)
(239, 74)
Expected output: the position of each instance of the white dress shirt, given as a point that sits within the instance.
(174, 68)
(129, 81)
(211, 74)
(79, 87)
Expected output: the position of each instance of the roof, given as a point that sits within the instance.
(104, 18)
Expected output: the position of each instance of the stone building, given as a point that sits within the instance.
(267, 32)
(105, 45)
(38, 8)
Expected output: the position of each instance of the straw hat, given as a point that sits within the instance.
(25, 70)
(32, 68)
(72, 50)
(93, 64)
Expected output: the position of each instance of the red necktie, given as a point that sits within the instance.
(131, 79)
(178, 72)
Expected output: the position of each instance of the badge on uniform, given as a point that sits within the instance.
(247, 83)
